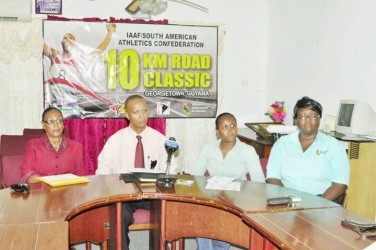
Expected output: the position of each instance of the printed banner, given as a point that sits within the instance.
(90, 68)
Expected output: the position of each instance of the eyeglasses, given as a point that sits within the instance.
(20, 188)
(304, 117)
(365, 236)
(360, 228)
(52, 122)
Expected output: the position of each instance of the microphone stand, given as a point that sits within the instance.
(167, 181)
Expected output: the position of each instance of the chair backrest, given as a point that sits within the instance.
(12, 169)
(12, 145)
(34, 131)
(264, 163)
(39, 132)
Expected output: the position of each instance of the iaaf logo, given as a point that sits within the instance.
(118, 108)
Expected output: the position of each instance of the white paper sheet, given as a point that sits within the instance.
(221, 179)
(59, 177)
(232, 186)
(371, 247)
(144, 170)
(281, 129)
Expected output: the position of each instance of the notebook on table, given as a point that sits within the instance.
(63, 179)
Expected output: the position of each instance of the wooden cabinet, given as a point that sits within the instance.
(361, 194)
(261, 145)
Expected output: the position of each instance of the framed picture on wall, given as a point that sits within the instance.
(48, 7)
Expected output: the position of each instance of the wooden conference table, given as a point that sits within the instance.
(53, 218)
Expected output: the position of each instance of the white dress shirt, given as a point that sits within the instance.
(118, 155)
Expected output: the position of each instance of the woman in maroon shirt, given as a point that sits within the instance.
(52, 154)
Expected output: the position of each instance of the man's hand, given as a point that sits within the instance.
(274, 181)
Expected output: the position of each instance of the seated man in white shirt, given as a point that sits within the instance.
(119, 153)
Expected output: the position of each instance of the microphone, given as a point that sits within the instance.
(171, 146)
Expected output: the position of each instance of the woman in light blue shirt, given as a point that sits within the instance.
(309, 160)
(229, 157)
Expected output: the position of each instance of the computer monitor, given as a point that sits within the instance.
(355, 117)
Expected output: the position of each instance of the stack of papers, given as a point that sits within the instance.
(144, 170)
(185, 182)
(370, 137)
(281, 129)
(223, 183)
(63, 179)
(351, 137)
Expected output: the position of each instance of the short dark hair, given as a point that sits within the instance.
(222, 115)
(130, 98)
(307, 103)
(48, 110)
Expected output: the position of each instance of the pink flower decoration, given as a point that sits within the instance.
(277, 111)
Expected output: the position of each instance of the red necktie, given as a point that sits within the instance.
(139, 157)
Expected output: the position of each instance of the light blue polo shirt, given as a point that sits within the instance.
(312, 171)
